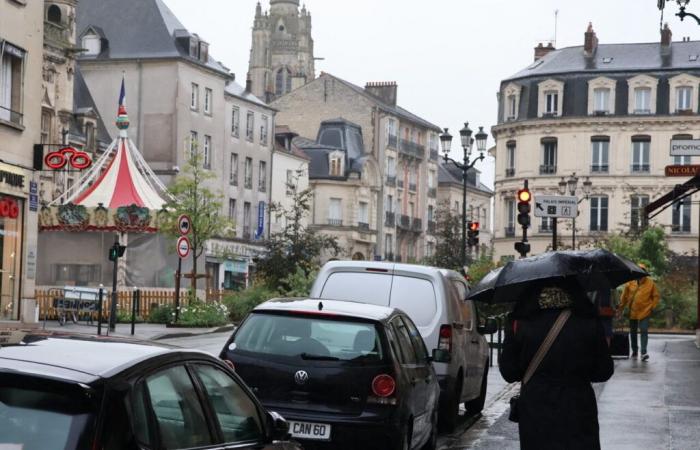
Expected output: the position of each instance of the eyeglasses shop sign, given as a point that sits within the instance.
(685, 147)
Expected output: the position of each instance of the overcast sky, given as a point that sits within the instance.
(448, 56)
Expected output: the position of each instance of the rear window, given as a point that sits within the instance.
(39, 419)
(363, 287)
(311, 338)
(415, 297)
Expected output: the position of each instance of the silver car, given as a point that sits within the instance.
(435, 299)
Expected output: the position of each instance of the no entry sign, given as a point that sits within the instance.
(183, 247)
(184, 224)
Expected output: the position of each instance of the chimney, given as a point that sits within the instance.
(666, 36)
(541, 51)
(248, 84)
(386, 91)
(590, 44)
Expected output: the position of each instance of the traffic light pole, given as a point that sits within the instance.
(554, 233)
(113, 306)
(464, 216)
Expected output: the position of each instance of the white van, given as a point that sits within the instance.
(435, 299)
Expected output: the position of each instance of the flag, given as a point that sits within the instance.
(122, 94)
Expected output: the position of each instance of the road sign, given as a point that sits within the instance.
(556, 206)
(689, 170)
(685, 147)
(183, 247)
(184, 224)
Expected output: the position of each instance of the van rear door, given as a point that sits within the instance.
(363, 285)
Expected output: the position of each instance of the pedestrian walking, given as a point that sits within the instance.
(602, 298)
(641, 297)
(557, 407)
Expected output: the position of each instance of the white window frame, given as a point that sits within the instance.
(641, 82)
(335, 209)
(510, 214)
(679, 102)
(235, 121)
(194, 101)
(600, 156)
(684, 98)
(92, 43)
(233, 171)
(363, 213)
(682, 160)
(207, 152)
(232, 209)
(262, 176)
(12, 68)
(208, 97)
(194, 141)
(248, 173)
(640, 156)
(263, 130)
(681, 217)
(601, 96)
(637, 204)
(600, 208)
(250, 126)
(511, 96)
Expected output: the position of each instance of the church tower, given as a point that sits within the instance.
(282, 52)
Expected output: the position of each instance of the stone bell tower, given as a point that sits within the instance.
(282, 52)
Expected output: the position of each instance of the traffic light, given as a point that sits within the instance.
(524, 198)
(473, 233)
(116, 251)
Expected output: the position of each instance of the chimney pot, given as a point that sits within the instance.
(386, 91)
(541, 51)
(590, 43)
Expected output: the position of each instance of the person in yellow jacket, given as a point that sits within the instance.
(642, 297)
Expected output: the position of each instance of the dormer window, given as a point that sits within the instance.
(335, 164)
(92, 44)
(683, 98)
(601, 96)
(642, 101)
(512, 105)
(550, 102)
(601, 99)
(194, 47)
(684, 92)
(512, 101)
(642, 95)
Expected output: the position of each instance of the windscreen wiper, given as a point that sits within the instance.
(308, 356)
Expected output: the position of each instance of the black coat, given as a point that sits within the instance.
(557, 406)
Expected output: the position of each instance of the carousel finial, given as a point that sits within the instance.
(122, 118)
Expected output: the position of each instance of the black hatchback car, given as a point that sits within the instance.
(344, 374)
(102, 394)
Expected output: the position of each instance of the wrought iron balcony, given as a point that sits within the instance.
(246, 233)
(510, 232)
(404, 222)
(417, 225)
(434, 155)
(599, 168)
(431, 226)
(399, 183)
(510, 172)
(389, 219)
(545, 229)
(363, 226)
(412, 187)
(432, 192)
(335, 222)
(409, 148)
(249, 183)
(393, 141)
(640, 168)
(262, 187)
(546, 169)
(391, 180)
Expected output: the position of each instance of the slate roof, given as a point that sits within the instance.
(236, 90)
(82, 103)
(318, 158)
(396, 110)
(144, 29)
(448, 173)
(622, 58)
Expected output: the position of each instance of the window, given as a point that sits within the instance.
(92, 44)
(637, 203)
(431, 179)
(11, 73)
(411, 209)
(232, 209)
(54, 14)
(193, 144)
(407, 353)
(510, 217)
(263, 131)
(233, 174)
(236, 413)
(681, 217)
(207, 100)
(510, 159)
(335, 166)
(283, 81)
(599, 213)
(46, 121)
(194, 103)
(248, 182)
(681, 160)
(246, 220)
(600, 153)
(549, 156)
(391, 133)
(431, 213)
(601, 100)
(250, 126)
(332, 137)
(207, 152)
(684, 98)
(391, 166)
(389, 205)
(551, 103)
(388, 245)
(290, 182)
(512, 107)
(642, 101)
(262, 177)
(235, 121)
(363, 214)
(176, 409)
(547, 225)
(640, 153)
(335, 213)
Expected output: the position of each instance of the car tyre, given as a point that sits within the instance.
(477, 405)
(450, 410)
(432, 440)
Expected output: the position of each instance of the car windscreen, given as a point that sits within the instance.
(364, 287)
(48, 416)
(309, 338)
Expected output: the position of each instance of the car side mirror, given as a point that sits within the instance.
(441, 356)
(489, 327)
(278, 427)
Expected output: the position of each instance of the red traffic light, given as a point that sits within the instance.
(474, 226)
(524, 195)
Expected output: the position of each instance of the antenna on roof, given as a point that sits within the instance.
(556, 23)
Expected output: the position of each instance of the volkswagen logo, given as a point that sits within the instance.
(301, 377)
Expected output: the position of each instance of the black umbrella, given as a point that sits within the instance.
(591, 269)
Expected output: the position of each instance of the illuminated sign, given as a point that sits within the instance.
(9, 208)
(68, 155)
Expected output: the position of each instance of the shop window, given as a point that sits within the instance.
(10, 256)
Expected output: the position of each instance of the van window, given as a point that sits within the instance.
(361, 287)
(415, 297)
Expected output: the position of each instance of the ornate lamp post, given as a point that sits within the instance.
(571, 184)
(467, 141)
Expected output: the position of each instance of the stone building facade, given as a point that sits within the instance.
(378, 200)
(282, 51)
(606, 113)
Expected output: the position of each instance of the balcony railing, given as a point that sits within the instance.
(335, 222)
(546, 169)
(417, 225)
(249, 183)
(545, 229)
(391, 180)
(412, 187)
(11, 116)
(246, 233)
(393, 141)
(599, 168)
(680, 229)
(434, 155)
(640, 168)
(510, 232)
(409, 148)
(262, 187)
(642, 111)
(363, 226)
(404, 222)
(56, 33)
(432, 192)
(233, 180)
(431, 226)
(399, 183)
(510, 172)
(389, 219)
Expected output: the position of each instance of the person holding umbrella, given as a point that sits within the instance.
(642, 297)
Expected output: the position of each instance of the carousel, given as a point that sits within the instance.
(118, 194)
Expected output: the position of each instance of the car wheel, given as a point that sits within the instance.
(450, 410)
(432, 440)
(477, 405)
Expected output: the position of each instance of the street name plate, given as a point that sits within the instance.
(689, 170)
(685, 147)
(556, 206)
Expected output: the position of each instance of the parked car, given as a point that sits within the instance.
(345, 374)
(73, 392)
(435, 299)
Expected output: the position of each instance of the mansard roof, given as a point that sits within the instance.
(449, 174)
(84, 103)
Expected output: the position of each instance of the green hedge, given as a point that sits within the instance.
(241, 303)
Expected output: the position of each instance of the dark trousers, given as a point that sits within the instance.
(643, 325)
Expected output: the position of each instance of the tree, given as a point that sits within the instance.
(192, 197)
(448, 231)
(296, 248)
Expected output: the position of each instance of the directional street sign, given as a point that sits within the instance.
(556, 206)
(688, 170)
(183, 247)
(685, 147)
(184, 224)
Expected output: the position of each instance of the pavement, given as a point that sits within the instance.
(645, 405)
(142, 331)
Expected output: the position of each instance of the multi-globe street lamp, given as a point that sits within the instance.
(467, 141)
(571, 184)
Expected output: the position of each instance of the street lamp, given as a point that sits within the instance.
(572, 184)
(465, 135)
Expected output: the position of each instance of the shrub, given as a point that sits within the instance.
(161, 314)
(242, 302)
(124, 316)
(203, 314)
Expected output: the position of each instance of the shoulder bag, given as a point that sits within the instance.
(514, 415)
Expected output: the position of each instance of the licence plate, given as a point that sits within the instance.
(308, 430)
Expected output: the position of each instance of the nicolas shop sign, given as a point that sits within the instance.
(11, 178)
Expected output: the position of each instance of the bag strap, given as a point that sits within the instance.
(546, 344)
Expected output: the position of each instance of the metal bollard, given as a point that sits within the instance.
(99, 313)
(135, 300)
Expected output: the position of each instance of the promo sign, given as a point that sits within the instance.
(77, 159)
(184, 224)
(183, 247)
(556, 206)
(685, 147)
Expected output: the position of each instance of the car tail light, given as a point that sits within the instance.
(383, 385)
(445, 341)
